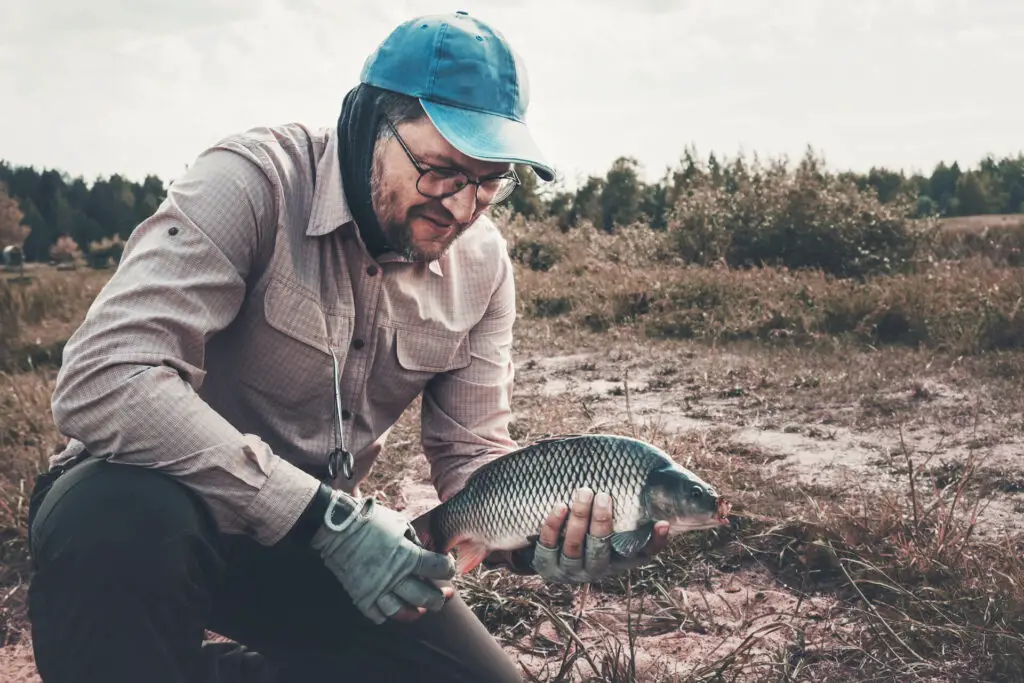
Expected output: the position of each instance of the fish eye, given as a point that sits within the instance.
(696, 492)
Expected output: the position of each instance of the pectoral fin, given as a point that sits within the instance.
(629, 543)
(469, 553)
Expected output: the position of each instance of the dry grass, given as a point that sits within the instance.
(980, 223)
(913, 591)
(39, 312)
(612, 281)
(916, 591)
(998, 239)
(27, 438)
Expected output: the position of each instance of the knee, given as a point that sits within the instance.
(120, 517)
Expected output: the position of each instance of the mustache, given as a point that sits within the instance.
(435, 213)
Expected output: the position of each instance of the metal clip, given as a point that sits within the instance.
(345, 458)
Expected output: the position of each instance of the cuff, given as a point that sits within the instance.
(281, 502)
(311, 519)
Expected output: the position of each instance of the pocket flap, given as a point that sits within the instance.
(295, 314)
(431, 352)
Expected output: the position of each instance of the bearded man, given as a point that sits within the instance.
(237, 377)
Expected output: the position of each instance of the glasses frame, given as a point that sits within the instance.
(424, 169)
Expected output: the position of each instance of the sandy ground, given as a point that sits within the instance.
(821, 437)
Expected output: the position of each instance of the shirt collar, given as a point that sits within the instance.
(391, 257)
(330, 208)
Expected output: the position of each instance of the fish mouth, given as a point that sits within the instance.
(722, 511)
(720, 517)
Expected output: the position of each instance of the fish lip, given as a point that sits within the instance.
(722, 509)
(692, 525)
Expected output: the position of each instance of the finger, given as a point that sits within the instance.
(552, 526)
(389, 605)
(374, 614)
(433, 565)
(659, 539)
(572, 569)
(576, 527)
(408, 614)
(601, 516)
(599, 555)
(545, 563)
(419, 594)
(394, 608)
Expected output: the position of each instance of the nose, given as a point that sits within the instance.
(462, 204)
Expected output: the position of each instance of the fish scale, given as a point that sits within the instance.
(504, 502)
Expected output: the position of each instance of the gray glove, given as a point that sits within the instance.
(378, 559)
(598, 561)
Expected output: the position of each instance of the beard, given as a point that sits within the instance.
(396, 224)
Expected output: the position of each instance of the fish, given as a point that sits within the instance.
(503, 503)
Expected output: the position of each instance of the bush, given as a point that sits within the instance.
(102, 252)
(10, 328)
(536, 255)
(65, 251)
(801, 219)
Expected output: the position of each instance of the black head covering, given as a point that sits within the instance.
(361, 113)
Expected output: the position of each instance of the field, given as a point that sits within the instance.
(867, 430)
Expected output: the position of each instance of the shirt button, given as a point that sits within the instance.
(357, 344)
(345, 415)
(372, 270)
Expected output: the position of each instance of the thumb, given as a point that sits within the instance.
(433, 565)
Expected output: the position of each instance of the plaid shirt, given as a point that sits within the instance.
(207, 355)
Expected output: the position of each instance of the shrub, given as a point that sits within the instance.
(536, 255)
(768, 215)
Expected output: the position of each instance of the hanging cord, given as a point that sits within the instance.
(339, 454)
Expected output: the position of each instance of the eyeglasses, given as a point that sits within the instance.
(440, 182)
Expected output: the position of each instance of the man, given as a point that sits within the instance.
(237, 377)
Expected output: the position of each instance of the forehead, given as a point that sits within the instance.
(427, 144)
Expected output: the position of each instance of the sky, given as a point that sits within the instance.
(141, 87)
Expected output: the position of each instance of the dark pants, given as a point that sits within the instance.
(129, 572)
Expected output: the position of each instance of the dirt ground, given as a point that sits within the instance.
(837, 425)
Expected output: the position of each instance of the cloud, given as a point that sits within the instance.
(130, 90)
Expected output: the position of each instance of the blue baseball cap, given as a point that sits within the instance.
(471, 84)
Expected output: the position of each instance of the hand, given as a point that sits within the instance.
(375, 554)
(586, 552)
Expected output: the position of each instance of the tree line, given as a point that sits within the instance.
(51, 208)
(54, 205)
(621, 197)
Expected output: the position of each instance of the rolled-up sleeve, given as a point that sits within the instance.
(127, 388)
(466, 412)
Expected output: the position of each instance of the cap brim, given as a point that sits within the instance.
(488, 137)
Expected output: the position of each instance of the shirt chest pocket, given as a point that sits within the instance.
(417, 355)
(287, 359)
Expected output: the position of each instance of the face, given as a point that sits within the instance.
(418, 227)
(684, 500)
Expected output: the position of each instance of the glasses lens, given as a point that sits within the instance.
(440, 183)
(495, 191)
